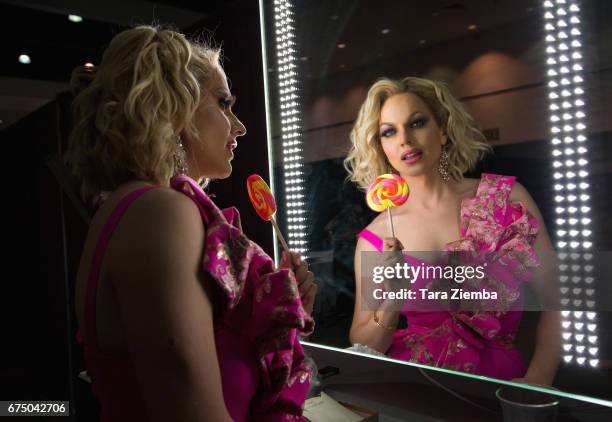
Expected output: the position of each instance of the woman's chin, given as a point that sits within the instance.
(416, 170)
(228, 172)
(225, 173)
(221, 172)
(412, 170)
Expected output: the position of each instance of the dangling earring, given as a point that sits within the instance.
(444, 163)
(180, 163)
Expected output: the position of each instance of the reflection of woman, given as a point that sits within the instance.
(182, 316)
(415, 127)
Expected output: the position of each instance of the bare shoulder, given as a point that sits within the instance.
(162, 224)
(378, 225)
(164, 204)
(164, 211)
(519, 193)
(467, 187)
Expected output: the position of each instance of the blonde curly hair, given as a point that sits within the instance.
(366, 159)
(131, 109)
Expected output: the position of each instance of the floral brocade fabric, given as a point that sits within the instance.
(262, 309)
(479, 341)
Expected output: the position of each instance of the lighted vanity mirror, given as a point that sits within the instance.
(535, 76)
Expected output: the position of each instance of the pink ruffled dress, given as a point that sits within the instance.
(478, 342)
(263, 369)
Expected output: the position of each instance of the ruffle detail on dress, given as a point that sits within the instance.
(501, 232)
(263, 305)
(284, 369)
(456, 343)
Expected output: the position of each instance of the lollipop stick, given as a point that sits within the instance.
(390, 221)
(280, 236)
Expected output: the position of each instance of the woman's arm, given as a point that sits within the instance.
(364, 329)
(546, 356)
(167, 314)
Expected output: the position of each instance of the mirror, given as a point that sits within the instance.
(535, 76)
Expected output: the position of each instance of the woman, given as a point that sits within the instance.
(415, 128)
(183, 317)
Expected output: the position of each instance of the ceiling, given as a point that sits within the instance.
(41, 29)
(371, 30)
(56, 45)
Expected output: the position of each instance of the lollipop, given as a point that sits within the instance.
(264, 203)
(261, 197)
(386, 191)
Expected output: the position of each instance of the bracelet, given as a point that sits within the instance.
(377, 322)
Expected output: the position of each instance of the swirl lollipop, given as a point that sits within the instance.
(386, 191)
(263, 201)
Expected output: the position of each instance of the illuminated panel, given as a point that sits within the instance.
(567, 104)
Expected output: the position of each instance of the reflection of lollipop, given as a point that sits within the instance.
(386, 191)
(264, 203)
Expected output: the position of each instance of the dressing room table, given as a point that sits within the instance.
(400, 391)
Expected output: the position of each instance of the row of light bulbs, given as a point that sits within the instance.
(572, 222)
(289, 101)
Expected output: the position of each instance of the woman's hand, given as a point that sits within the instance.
(392, 255)
(392, 244)
(305, 279)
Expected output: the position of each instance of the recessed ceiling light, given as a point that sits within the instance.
(385, 31)
(303, 58)
(89, 64)
(341, 45)
(75, 18)
(422, 42)
(471, 27)
(24, 59)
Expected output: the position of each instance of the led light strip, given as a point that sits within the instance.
(572, 198)
(289, 100)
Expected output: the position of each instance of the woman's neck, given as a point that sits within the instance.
(429, 192)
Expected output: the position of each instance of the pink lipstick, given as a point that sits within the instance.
(412, 156)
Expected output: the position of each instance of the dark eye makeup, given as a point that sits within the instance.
(415, 123)
(418, 122)
(387, 132)
(227, 102)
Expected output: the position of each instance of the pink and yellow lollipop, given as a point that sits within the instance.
(385, 192)
(261, 197)
(263, 201)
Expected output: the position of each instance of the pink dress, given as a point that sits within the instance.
(264, 374)
(477, 342)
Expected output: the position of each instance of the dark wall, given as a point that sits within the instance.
(36, 349)
(238, 29)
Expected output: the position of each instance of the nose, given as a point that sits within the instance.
(238, 128)
(405, 138)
